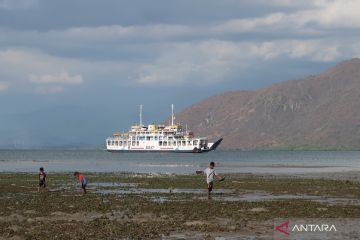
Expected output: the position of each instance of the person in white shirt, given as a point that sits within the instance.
(210, 174)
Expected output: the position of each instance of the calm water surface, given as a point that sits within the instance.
(226, 161)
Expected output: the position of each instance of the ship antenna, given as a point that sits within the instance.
(141, 107)
(172, 114)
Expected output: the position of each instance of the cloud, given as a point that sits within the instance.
(314, 50)
(29, 69)
(208, 61)
(250, 24)
(197, 63)
(216, 61)
(36, 71)
(49, 89)
(324, 15)
(288, 3)
(3, 86)
(15, 4)
(115, 33)
(62, 78)
(320, 20)
(178, 54)
(336, 13)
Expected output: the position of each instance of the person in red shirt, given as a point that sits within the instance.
(83, 180)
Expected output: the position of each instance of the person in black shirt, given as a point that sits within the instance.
(42, 179)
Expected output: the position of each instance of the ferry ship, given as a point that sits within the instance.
(159, 138)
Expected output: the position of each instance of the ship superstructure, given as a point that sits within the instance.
(153, 137)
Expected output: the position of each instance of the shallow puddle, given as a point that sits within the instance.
(162, 190)
(262, 196)
(113, 184)
(227, 195)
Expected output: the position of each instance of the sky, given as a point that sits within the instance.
(73, 72)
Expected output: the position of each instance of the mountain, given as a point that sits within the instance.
(318, 112)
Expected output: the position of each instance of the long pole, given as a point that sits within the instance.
(172, 114)
(141, 106)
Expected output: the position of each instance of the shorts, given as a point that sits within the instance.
(83, 185)
(210, 186)
(42, 184)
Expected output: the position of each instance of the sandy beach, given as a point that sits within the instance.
(169, 206)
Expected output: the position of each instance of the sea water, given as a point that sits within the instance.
(179, 163)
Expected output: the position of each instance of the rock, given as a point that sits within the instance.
(258, 209)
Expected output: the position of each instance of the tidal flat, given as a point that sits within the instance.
(166, 206)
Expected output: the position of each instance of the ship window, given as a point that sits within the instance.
(174, 143)
(170, 143)
(148, 138)
(160, 143)
(156, 138)
(165, 143)
(195, 142)
(116, 143)
(183, 143)
(133, 143)
(189, 143)
(113, 143)
(109, 142)
(137, 143)
(120, 143)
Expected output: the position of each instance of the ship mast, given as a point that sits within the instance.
(141, 107)
(172, 114)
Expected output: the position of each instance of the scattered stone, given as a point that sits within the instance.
(258, 209)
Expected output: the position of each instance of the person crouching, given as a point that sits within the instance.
(83, 180)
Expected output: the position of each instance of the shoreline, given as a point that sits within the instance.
(331, 175)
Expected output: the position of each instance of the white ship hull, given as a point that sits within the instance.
(147, 146)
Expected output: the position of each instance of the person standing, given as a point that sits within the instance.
(42, 179)
(210, 174)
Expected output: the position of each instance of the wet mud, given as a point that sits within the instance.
(145, 206)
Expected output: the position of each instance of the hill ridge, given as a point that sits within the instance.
(318, 112)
